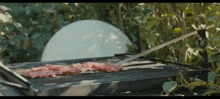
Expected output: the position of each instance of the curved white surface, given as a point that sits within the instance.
(85, 39)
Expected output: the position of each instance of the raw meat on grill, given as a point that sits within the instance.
(53, 67)
(90, 66)
(78, 65)
(50, 71)
(43, 73)
(69, 71)
(34, 69)
(55, 70)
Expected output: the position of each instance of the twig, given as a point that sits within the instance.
(120, 19)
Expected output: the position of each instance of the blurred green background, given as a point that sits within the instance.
(30, 26)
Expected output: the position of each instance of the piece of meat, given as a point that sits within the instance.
(43, 73)
(26, 72)
(69, 70)
(55, 70)
(107, 68)
(101, 66)
(78, 65)
(34, 69)
(88, 66)
(75, 70)
(53, 67)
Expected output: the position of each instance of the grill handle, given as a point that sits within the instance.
(13, 85)
(6, 69)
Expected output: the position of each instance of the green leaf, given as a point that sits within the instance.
(188, 11)
(133, 37)
(6, 60)
(218, 63)
(31, 6)
(151, 38)
(213, 18)
(218, 66)
(48, 36)
(10, 27)
(176, 30)
(169, 79)
(201, 15)
(36, 35)
(214, 57)
(179, 78)
(13, 54)
(199, 80)
(191, 87)
(216, 41)
(168, 87)
(207, 94)
(211, 77)
(133, 45)
(38, 43)
(145, 17)
(151, 24)
(3, 48)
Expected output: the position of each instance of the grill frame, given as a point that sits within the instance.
(109, 87)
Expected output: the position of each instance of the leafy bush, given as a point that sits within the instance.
(33, 24)
(26, 32)
(37, 23)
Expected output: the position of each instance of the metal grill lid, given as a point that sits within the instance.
(85, 39)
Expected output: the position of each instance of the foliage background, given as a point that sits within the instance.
(24, 36)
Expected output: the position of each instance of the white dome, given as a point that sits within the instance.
(85, 39)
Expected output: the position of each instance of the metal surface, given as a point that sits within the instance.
(3, 68)
(158, 47)
(134, 77)
(85, 39)
(8, 90)
(104, 83)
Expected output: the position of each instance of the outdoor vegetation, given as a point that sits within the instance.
(29, 26)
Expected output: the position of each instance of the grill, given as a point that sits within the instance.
(144, 75)
(139, 77)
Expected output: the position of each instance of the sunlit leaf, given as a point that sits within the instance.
(177, 30)
(168, 87)
(191, 87)
(201, 15)
(209, 8)
(151, 24)
(179, 78)
(193, 25)
(217, 13)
